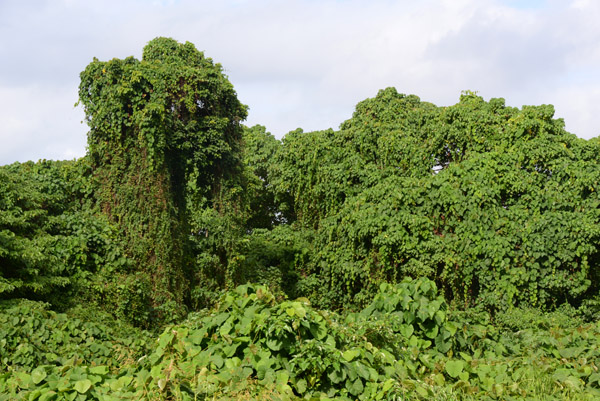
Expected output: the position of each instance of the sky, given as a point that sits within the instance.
(301, 63)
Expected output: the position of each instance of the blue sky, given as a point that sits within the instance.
(301, 63)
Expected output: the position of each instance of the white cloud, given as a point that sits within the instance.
(301, 63)
(40, 122)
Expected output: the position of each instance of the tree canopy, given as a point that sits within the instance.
(434, 252)
(498, 205)
(164, 132)
(177, 201)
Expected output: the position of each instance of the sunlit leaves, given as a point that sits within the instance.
(164, 134)
(498, 204)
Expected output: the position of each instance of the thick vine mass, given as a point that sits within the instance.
(418, 252)
(163, 130)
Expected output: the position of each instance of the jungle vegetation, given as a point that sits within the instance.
(417, 252)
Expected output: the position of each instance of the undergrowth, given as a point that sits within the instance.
(406, 345)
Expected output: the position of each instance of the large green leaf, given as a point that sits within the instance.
(82, 386)
(454, 368)
(38, 375)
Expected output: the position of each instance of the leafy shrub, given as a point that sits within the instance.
(253, 346)
(32, 196)
(565, 317)
(31, 335)
(286, 346)
(405, 314)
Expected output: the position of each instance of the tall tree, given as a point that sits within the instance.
(164, 132)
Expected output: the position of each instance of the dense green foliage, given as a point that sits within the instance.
(418, 252)
(31, 335)
(498, 205)
(164, 132)
(33, 198)
(251, 346)
(51, 243)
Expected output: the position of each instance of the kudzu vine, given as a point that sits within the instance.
(164, 132)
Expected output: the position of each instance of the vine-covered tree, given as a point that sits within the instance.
(176, 200)
(164, 132)
(500, 205)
